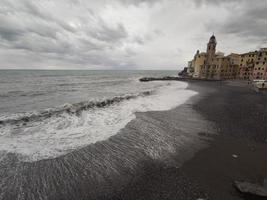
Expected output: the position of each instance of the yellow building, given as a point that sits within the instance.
(197, 63)
(247, 63)
(212, 65)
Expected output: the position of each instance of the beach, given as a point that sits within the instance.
(194, 151)
(133, 100)
(236, 153)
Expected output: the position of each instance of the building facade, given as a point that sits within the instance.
(247, 62)
(260, 66)
(212, 65)
(215, 65)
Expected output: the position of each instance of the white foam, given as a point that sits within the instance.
(59, 135)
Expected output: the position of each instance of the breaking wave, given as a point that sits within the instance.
(55, 132)
(76, 108)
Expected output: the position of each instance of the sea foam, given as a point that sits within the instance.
(64, 132)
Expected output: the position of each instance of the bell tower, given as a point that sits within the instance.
(211, 50)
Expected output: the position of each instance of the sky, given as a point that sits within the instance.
(124, 34)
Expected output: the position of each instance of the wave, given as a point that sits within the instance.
(75, 108)
(56, 132)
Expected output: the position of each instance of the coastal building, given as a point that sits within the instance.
(260, 66)
(215, 65)
(212, 65)
(198, 63)
(247, 63)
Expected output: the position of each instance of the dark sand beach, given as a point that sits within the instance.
(183, 153)
(239, 115)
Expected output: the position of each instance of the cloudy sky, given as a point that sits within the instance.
(124, 34)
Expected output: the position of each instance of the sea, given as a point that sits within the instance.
(79, 134)
(45, 114)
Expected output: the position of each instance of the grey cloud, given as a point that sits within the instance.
(108, 34)
(8, 32)
(39, 32)
(29, 27)
(139, 40)
(217, 2)
(136, 2)
(25, 17)
(248, 21)
(84, 33)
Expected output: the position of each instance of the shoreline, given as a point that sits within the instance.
(183, 153)
(154, 140)
(237, 153)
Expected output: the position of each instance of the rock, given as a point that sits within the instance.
(183, 72)
(235, 156)
(165, 78)
(251, 188)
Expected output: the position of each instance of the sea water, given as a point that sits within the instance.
(46, 114)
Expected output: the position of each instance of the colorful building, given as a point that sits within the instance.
(247, 62)
(260, 66)
(214, 65)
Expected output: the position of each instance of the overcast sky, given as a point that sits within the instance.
(124, 34)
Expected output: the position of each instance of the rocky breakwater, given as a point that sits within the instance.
(165, 78)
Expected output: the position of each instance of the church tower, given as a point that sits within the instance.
(211, 50)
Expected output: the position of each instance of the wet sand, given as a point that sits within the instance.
(184, 153)
(239, 115)
(108, 169)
